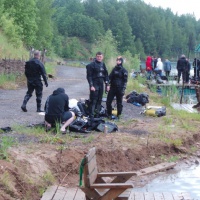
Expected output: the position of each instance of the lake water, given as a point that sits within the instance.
(186, 179)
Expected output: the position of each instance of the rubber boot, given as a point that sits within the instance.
(39, 108)
(197, 88)
(23, 107)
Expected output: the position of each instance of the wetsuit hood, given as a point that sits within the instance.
(58, 91)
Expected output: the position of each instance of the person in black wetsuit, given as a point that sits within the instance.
(97, 75)
(182, 66)
(57, 109)
(34, 69)
(118, 80)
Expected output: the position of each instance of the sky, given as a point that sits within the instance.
(178, 6)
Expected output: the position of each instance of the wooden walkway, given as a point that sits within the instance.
(63, 193)
(186, 107)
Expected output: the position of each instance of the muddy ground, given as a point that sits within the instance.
(34, 164)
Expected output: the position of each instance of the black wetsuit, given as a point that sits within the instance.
(97, 75)
(57, 107)
(34, 69)
(118, 80)
(182, 66)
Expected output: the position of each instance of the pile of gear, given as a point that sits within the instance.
(82, 122)
(141, 98)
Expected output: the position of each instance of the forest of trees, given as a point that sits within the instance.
(69, 27)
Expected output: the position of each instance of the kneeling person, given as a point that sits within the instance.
(57, 109)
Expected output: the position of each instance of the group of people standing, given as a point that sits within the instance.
(115, 85)
(156, 66)
(57, 104)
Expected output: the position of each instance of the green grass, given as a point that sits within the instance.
(5, 144)
(7, 50)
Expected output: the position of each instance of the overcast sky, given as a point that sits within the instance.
(178, 6)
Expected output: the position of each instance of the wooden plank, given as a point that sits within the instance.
(186, 196)
(167, 196)
(149, 196)
(60, 193)
(156, 168)
(91, 193)
(92, 164)
(91, 154)
(92, 177)
(181, 196)
(112, 185)
(137, 196)
(109, 174)
(186, 107)
(79, 195)
(112, 194)
(158, 196)
(49, 193)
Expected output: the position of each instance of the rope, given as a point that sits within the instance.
(81, 171)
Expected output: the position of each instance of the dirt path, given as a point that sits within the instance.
(73, 80)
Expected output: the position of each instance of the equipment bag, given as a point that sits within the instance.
(134, 97)
(111, 127)
(79, 125)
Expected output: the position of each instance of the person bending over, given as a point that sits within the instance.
(57, 110)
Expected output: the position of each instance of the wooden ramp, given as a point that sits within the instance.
(62, 193)
(186, 107)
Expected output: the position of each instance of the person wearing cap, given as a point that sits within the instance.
(57, 110)
(97, 75)
(34, 69)
(182, 65)
(118, 80)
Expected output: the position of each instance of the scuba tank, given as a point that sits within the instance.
(155, 111)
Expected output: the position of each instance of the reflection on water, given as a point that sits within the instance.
(184, 180)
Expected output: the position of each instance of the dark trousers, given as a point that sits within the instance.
(95, 100)
(183, 73)
(167, 73)
(115, 91)
(196, 72)
(38, 87)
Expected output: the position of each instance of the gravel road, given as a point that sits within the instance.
(72, 79)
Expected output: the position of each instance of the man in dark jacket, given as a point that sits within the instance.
(34, 69)
(118, 80)
(97, 75)
(182, 67)
(196, 65)
(57, 109)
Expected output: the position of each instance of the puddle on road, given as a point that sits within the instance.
(186, 179)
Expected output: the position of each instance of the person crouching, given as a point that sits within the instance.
(57, 110)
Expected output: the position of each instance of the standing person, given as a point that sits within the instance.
(118, 80)
(155, 62)
(182, 64)
(97, 75)
(43, 56)
(57, 110)
(187, 71)
(34, 69)
(196, 65)
(159, 67)
(167, 68)
(149, 67)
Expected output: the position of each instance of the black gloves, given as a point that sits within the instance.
(46, 84)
